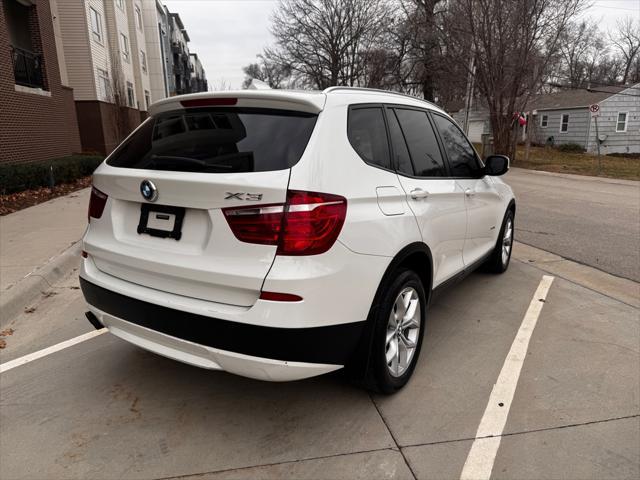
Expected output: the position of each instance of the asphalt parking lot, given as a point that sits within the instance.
(105, 409)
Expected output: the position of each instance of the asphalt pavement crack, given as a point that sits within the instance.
(413, 474)
(524, 432)
(286, 462)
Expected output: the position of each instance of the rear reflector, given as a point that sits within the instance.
(280, 297)
(96, 203)
(208, 102)
(308, 224)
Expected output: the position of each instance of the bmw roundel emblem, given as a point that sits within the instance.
(148, 190)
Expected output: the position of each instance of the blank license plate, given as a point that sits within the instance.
(161, 221)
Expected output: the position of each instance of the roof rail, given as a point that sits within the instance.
(389, 92)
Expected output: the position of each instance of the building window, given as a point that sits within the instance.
(130, 98)
(621, 123)
(544, 121)
(124, 44)
(104, 85)
(21, 19)
(147, 98)
(96, 25)
(120, 4)
(143, 61)
(564, 123)
(138, 18)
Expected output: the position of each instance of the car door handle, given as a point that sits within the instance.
(469, 193)
(418, 194)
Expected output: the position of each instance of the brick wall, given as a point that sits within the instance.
(98, 130)
(35, 127)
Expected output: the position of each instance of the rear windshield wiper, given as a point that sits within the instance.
(196, 164)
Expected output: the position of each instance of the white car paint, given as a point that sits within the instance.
(210, 273)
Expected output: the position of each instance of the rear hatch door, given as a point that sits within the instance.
(163, 225)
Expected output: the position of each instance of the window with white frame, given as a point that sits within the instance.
(124, 45)
(96, 24)
(138, 17)
(564, 123)
(544, 121)
(621, 122)
(130, 97)
(104, 85)
(143, 61)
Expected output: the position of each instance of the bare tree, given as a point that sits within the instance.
(269, 71)
(512, 43)
(426, 42)
(322, 41)
(626, 40)
(580, 48)
(120, 119)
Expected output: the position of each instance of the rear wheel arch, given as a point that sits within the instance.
(416, 257)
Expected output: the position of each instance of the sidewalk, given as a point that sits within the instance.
(36, 238)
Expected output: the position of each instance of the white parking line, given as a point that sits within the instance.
(4, 367)
(483, 452)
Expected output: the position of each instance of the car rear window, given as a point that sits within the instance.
(217, 140)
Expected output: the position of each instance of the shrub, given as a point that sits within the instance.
(24, 176)
(571, 148)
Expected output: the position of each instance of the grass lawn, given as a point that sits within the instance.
(552, 160)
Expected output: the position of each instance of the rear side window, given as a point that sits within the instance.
(463, 161)
(368, 135)
(217, 140)
(423, 146)
(400, 150)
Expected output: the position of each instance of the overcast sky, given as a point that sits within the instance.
(228, 34)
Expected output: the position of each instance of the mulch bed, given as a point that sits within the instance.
(13, 202)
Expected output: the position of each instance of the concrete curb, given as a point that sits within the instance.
(17, 297)
(618, 288)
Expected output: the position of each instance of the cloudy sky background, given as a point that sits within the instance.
(228, 34)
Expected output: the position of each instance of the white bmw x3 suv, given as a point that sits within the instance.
(281, 235)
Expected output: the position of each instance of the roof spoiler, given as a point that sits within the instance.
(309, 102)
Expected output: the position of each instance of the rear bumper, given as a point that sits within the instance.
(267, 353)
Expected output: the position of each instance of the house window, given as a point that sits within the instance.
(147, 98)
(143, 61)
(138, 18)
(120, 4)
(104, 85)
(130, 98)
(96, 25)
(544, 121)
(564, 123)
(621, 123)
(124, 44)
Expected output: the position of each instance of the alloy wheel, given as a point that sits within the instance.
(507, 241)
(403, 329)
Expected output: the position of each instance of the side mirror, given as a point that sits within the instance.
(496, 165)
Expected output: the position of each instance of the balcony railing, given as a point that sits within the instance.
(27, 68)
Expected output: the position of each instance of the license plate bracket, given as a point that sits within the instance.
(157, 215)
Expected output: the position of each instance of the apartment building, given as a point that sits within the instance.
(157, 37)
(198, 77)
(79, 75)
(107, 67)
(37, 113)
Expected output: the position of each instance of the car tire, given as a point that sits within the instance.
(388, 369)
(498, 262)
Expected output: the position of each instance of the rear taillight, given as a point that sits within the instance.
(308, 224)
(96, 203)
